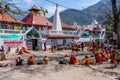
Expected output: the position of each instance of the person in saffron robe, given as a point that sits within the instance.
(103, 57)
(114, 60)
(102, 46)
(25, 50)
(91, 48)
(108, 54)
(98, 57)
(3, 64)
(30, 60)
(87, 60)
(45, 60)
(72, 59)
(20, 52)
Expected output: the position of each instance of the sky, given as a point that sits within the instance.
(70, 4)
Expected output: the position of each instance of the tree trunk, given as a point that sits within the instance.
(115, 16)
(116, 19)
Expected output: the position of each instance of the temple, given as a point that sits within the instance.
(61, 33)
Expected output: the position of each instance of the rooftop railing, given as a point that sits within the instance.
(9, 31)
(58, 32)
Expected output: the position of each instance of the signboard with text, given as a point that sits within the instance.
(13, 43)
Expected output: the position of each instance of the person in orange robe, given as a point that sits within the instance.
(114, 60)
(91, 48)
(98, 57)
(20, 52)
(30, 60)
(72, 59)
(87, 60)
(45, 60)
(103, 57)
(25, 50)
(108, 54)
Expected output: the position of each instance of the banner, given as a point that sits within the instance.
(13, 43)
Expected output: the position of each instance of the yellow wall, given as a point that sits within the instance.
(17, 27)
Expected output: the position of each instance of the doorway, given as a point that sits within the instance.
(34, 44)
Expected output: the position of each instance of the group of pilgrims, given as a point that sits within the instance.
(20, 60)
(97, 53)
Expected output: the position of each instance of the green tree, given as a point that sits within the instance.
(11, 7)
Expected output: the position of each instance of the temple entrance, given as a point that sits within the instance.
(32, 37)
(34, 44)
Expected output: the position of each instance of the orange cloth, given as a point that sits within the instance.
(91, 48)
(26, 51)
(31, 60)
(87, 61)
(21, 51)
(98, 58)
(45, 60)
(114, 60)
(3, 57)
(104, 58)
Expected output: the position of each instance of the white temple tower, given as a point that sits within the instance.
(57, 21)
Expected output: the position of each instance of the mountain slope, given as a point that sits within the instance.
(85, 16)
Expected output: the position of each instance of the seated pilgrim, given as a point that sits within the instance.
(20, 51)
(64, 60)
(19, 61)
(24, 50)
(2, 53)
(114, 60)
(3, 64)
(72, 59)
(30, 60)
(98, 57)
(93, 61)
(87, 61)
(45, 60)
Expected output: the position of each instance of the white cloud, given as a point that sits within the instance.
(29, 1)
(25, 3)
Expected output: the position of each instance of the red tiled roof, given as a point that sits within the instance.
(8, 18)
(61, 36)
(65, 26)
(34, 8)
(36, 19)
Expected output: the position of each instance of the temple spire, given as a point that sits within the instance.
(57, 21)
